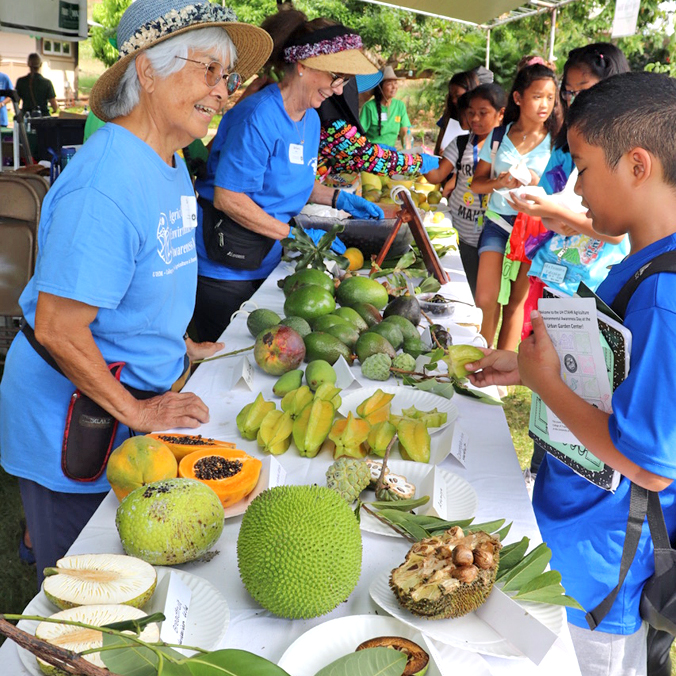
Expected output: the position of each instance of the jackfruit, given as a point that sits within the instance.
(299, 550)
(349, 477)
(437, 582)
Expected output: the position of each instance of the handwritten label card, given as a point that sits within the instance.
(345, 378)
(434, 486)
(243, 375)
(176, 605)
(460, 444)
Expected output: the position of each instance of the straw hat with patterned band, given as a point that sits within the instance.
(335, 49)
(146, 23)
(389, 74)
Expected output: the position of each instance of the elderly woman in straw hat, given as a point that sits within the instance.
(106, 313)
(262, 166)
(384, 118)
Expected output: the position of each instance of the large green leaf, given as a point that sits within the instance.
(510, 555)
(369, 662)
(401, 505)
(232, 662)
(552, 595)
(132, 659)
(547, 579)
(435, 387)
(406, 521)
(533, 564)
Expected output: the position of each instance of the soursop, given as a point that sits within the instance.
(349, 477)
(377, 367)
(405, 362)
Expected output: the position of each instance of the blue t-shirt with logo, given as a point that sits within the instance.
(118, 233)
(5, 83)
(584, 525)
(261, 152)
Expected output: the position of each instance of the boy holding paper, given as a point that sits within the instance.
(621, 136)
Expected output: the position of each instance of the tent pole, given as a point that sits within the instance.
(552, 37)
(488, 48)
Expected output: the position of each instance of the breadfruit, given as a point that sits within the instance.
(170, 522)
(78, 639)
(349, 477)
(417, 660)
(376, 367)
(299, 550)
(92, 579)
(437, 583)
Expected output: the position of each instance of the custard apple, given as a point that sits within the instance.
(377, 367)
(405, 362)
(349, 477)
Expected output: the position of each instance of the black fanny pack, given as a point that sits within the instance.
(89, 429)
(229, 243)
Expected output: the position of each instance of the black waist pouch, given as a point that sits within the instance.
(229, 243)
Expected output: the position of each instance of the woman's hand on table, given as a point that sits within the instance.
(201, 350)
(538, 362)
(498, 367)
(172, 409)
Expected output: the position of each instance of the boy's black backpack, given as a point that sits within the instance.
(462, 141)
(658, 599)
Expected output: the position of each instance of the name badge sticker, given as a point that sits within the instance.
(383, 116)
(397, 118)
(553, 273)
(189, 211)
(296, 153)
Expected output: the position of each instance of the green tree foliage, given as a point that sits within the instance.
(106, 13)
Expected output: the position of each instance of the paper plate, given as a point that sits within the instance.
(207, 622)
(461, 500)
(327, 642)
(467, 632)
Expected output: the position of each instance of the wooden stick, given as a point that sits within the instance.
(66, 660)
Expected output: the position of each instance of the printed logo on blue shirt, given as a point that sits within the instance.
(168, 249)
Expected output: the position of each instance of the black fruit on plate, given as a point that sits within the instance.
(440, 336)
(405, 306)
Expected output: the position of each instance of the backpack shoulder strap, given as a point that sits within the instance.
(461, 142)
(496, 140)
(665, 262)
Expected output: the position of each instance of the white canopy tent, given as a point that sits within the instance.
(482, 14)
(55, 19)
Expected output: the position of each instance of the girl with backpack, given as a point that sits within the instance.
(485, 108)
(523, 145)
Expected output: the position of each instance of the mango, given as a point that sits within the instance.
(349, 436)
(312, 426)
(380, 436)
(279, 350)
(288, 382)
(295, 401)
(274, 435)
(376, 408)
(414, 440)
(249, 419)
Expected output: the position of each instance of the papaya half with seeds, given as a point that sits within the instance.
(230, 472)
(184, 444)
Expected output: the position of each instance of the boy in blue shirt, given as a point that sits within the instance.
(621, 138)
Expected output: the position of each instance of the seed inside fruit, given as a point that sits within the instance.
(216, 467)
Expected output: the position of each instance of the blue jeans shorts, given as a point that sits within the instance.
(493, 237)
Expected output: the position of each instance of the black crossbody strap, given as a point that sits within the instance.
(638, 506)
(658, 529)
(665, 262)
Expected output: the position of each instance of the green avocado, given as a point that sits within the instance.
(261, 319)
(352, 316)
(308, 276)
(324, 346)
(369, 313)
(389, 331)
(309, 302)
(362, 290)
(346, 333)
(322, 323)
(415, 347)
(298, 324)
(373, 343)
(408, 330)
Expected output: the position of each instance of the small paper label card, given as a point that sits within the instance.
(243, 375)
(434, 486)
(345, 378)
(176, 605)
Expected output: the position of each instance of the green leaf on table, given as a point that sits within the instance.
(406, 261)
(430, 285)
(553, 595)
(502, 533)
(435, 387)
(402, 505)
(231, 662)
(532, 565)
(406, 521)
(547, 579)
(511, 554)
(476, 394)
(368, 662)
(487, 526)
(136, 626)
(123, 656)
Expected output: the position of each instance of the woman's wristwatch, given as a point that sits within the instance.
(334, 199)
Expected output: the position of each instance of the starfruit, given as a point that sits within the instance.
(459, 355)
(380, 436)
(296, 400)
(433, 418)
(312, 426)
(249, 419)
(329, 392)
(349, 436)
(274, 434)
(376, 408)
(414, 440)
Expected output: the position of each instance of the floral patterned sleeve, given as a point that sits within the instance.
(342, 148)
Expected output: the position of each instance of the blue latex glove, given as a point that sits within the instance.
(429, 163)
(315, 234)
(358, 206)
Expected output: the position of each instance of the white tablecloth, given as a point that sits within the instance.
(492, 468)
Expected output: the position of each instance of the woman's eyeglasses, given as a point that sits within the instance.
(339, 80)
(570, 94)
(214, 72)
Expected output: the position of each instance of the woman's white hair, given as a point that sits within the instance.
(163, 60)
